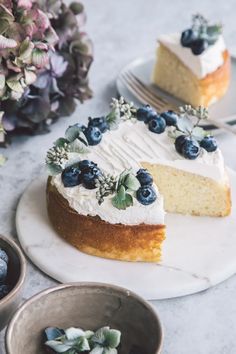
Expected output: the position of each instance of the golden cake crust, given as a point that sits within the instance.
(96, 237)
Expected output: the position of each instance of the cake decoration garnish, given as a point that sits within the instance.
(75, 340)
(189, 136)
(201, 35)
(126, 186)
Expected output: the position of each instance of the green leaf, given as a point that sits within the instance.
(58, 346)
(185, 124)
(53, 169)
(78, 147)
(122, 204)
(61, 142)
(113, 338)
(73, 333)
(121, 193)
(122, 176)
(97, 350)
(53, 333)
(131, 182)
(113, 118)
(75, 132)
(198, 133)
(99, 336)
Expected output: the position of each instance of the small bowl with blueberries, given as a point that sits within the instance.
(12, 276)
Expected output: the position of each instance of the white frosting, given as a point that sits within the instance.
(127, 147)
(200, 65)
(84, 202)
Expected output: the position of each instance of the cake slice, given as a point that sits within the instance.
(193, 66)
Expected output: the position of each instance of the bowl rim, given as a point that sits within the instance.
(124, 291)
(22, 275)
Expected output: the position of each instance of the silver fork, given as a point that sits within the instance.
(146, 96)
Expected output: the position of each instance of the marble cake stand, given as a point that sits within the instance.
(198, 253)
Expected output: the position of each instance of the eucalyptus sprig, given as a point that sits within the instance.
(201, 27)
(58, 156)
(122, 186)
(120, 110)
(75, 340)
(188, 122)
(126, 186)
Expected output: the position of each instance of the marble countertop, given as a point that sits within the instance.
(204, 323)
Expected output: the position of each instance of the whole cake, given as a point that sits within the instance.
(193, 66)
(109, 179)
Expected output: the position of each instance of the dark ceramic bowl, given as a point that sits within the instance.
(15, 278)
(88, 306)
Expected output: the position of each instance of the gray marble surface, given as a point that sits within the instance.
(204, 323)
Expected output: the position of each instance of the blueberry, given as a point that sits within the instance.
(157, 125)
(146, 113)
(144, 177)
(86, 164)
(179, 143)
(170, 117)
(71, 176)
(3, 270)
(188, 37)
(90, 176)
(190, 149)
(4, 290)
(93, 135)
(208, 143)
(146, 195)
(100, 123)
(199, 46)
(3, 255)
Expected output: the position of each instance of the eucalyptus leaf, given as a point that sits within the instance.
(82, 344)
(54, 169)
(122, 204)
(53, 333)
(123, 176)
(113, 338)
(113, 118)
(78, 147)
(61, 142)
(198, 133)
(185, 124)
(57, 346)
(72, 132)
(97, 350)
(99, 335)
(131, 182)
(121, 193)
(174, 133)
(74, 333)
(73, 161)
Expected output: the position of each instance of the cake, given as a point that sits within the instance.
(193, 66)
(111, 182)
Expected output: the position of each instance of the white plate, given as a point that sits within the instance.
(224, 109)
(198, 253)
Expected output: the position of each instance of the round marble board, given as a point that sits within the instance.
(198, 252)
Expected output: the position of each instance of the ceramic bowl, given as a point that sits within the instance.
(15, 278)
(88, 306)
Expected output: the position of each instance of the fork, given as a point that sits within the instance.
(146, 96)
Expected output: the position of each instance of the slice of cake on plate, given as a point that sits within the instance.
(108, 179)
(193, 66)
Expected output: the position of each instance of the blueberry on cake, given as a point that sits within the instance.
(194, 65)
(111, 181)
